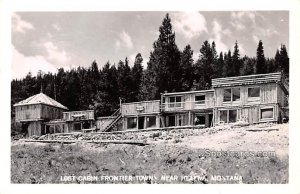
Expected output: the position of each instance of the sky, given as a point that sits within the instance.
(50, 40)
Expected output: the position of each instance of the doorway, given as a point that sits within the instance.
(141, 122)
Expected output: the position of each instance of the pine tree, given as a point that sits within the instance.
(228, 65)
(204, 66)
(124, 80)
(219, 67)
(260, 59)
(186, 66)
(137, 74)
(247, 66)
(285, 61)
(149, 89)
(164, 62)
(236, 60)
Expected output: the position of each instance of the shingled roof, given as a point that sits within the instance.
(41, 98)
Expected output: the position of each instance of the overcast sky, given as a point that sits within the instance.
(50, 40)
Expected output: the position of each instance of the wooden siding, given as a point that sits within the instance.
(268, 94)
(86, 115)
(37, 112)
(34, 128)
(50, 112)
(251, 114)
(144, 107)
(28, 112)
(188, 102)
(103, 122)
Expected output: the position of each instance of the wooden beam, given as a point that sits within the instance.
(140, 143)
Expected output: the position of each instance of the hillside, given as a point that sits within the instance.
(251, 154)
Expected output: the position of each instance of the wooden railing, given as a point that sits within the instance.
(187, 105)
(79, 115)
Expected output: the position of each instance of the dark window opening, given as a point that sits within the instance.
(200, 99)
(200, 120)
(171, 121)
(235, 94)
(227, 95)
(232, 116)
(151, 122)
(223, 116)
(131, 123)
(141, 122)
(253, 92)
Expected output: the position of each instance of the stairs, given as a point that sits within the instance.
(114, 123)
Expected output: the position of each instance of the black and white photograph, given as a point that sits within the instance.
(150, 97)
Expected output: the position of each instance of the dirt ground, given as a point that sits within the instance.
(212, 156)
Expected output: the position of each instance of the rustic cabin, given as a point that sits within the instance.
(188, 108)
(141, 115)
(34, 111)
(79, 121)
(253, 98)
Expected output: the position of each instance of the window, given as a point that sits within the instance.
(266, 113)
(171, 121)
(231, 94)
(223, 116)
(232, 116)
(254, 92)
(151, 122)
(172, 102)
(131, 122)
(175, 101)
(228, 116)
(178, 101)
(236, 94)
(200, 120)
(200, 99)
(227, 95)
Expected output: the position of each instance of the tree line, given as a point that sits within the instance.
(168, 69)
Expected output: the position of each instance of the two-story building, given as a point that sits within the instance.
(187, 108)
(252, 98)
(34, 111)
(141, 115)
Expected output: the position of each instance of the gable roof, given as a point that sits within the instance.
(41, 98)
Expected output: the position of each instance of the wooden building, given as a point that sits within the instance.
(77, 121)
(253, 98)
(141, 115)
(34, 111)
(188, 108)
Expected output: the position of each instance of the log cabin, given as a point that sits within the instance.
(252, 98)
(188, 108)
(141, 115)
(35, 111)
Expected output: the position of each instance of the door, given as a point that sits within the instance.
(141, 122)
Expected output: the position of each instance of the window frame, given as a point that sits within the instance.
(256, 98)
(228, 115)
(175, 104)
(135, 118)
(267, 119)
(231, 95)
(199, 102)
(148, 121)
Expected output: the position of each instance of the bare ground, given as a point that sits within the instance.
(217, 156)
